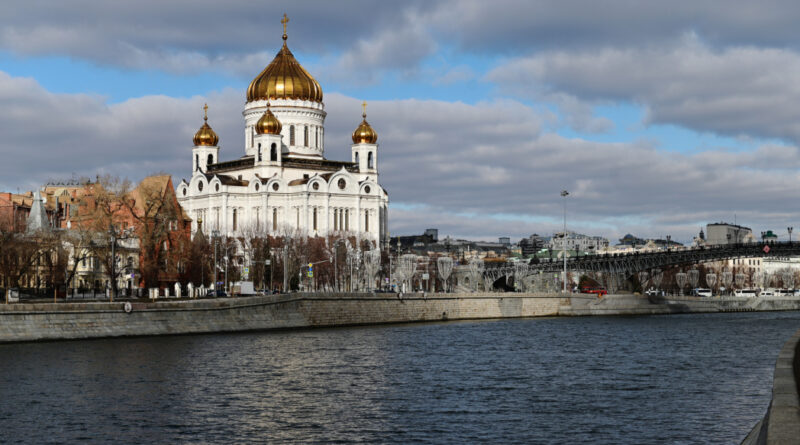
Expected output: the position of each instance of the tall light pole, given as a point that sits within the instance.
(564, 195)
(790, 233)
(215, 234)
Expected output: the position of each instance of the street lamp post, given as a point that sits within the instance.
(564, 195)
(790, 233)
(215, 234)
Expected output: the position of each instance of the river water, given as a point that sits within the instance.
(639, 380)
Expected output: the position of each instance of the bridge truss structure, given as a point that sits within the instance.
(618, 267)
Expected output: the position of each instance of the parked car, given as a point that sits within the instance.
(652, 292)
(597, 290)
(701, 292)
(745, 293)
(217, 293)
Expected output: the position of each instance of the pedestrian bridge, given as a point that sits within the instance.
(624, 265)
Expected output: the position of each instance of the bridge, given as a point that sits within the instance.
(625, 265)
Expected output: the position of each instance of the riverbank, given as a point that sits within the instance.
(56, 321)
(781, 424)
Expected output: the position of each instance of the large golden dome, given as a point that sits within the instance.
(364, 134)
(205, 136)
(284, 78)
(268, 124)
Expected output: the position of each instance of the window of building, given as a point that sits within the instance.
(291, 135)
(210, 160)
(342, 183)
(315, 186)
(200, 186)
(275, 186)
(316, 137)
(273, 153)
(367, 190)
(234, 219)
(274, 220)
(305, 135)
(196, 162)
(315, 218)
(347, 220)
(356, 157)
(259, 152)
(370, 162)
(335, 219)
(366, 221)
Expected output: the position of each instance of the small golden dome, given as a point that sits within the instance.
(364, 134)
(268, 124)
(284, 78)
(205, 136)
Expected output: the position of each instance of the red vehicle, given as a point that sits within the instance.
(599, 291)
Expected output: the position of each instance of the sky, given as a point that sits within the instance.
(657, 117)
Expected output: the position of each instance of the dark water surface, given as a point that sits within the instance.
(657, 379)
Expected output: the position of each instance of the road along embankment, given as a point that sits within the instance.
(628, 304)
(781, 424)
(56, 321)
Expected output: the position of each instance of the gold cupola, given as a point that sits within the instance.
(205, 136)
(268, 124)
(364, 134)
(284, 78)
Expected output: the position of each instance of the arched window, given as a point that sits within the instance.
(356, 157)
(197, 162)
(274, 219)
(291, 135)
(273, 153)
(335, 219)
(366, 221)
(370, 162)
(316, 137)
(305, 135)
(259, 152)
(210, 160)
(315, 218)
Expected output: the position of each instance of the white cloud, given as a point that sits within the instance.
(736, 91)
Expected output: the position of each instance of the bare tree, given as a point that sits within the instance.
(445, 266)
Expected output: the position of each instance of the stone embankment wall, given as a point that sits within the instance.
(47, 321)
(781, 424)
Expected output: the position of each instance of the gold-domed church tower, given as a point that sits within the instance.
(365, 146)
(296, 100)
(206, 145)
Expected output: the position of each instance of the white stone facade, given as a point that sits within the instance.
(283, 185)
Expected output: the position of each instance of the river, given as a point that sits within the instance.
(652, 379)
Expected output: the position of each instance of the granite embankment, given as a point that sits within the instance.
(781, 424)
(48, 321)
